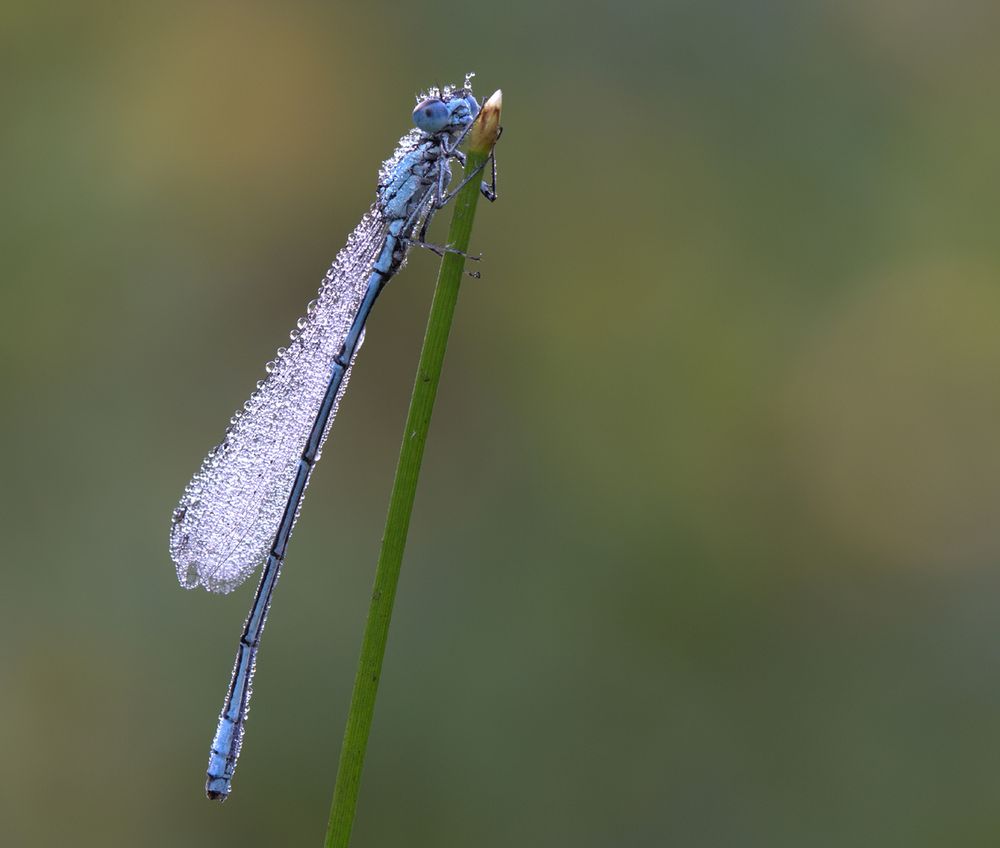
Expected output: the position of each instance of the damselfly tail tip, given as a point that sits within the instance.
(215, 792)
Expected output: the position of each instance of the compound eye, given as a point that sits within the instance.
(431, 115)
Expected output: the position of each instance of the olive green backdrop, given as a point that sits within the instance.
(705, 548)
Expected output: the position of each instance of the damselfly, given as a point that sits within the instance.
(239, 509)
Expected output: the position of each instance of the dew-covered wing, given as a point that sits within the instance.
(226, 521)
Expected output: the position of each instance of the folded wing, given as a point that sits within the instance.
(226, 521)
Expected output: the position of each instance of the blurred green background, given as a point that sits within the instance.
(705, 548)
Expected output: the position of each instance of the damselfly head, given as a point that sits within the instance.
(446, 108)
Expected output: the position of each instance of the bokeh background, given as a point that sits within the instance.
(705, 548)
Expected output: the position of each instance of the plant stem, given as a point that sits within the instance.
(359, 717)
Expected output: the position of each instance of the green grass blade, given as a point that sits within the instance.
(359, 718)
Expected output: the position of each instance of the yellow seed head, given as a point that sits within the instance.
(484, 130)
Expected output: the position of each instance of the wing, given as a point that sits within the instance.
(225, 523)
